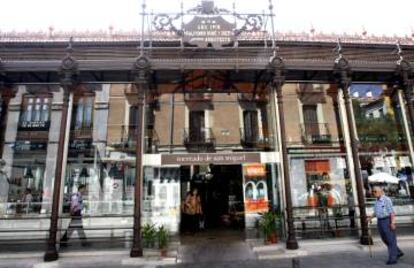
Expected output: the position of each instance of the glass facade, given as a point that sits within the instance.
(384, 151)
(101, 154)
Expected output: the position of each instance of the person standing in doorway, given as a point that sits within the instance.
(193, 209)
(76, 207)
(385, 214)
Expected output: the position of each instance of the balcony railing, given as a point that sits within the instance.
(250, 140)
(199, 139)
(316, 133)
(82, 133)
(128, 139)
(198, 97)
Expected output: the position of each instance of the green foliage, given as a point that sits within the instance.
(378, 132)
(149, 235)
(269, 223)
(162, 235)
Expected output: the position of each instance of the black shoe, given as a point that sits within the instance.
(400, 254)
(391, 262)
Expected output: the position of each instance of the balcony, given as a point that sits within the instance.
(198, 97)
(127, 141)
(254, 141)
(82, 133)
(197, 140)
(316, 133)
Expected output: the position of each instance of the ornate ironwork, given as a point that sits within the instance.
(404, 73)
(69, 67)
(252, 23)
(342, 69)
(164, 23)
(207, 7)
(210, 22)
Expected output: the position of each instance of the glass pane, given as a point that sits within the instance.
(384, 153)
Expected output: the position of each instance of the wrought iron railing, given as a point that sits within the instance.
(316, 133)
(200, 136)
(249, 139)
(127, 140)
(85, 132)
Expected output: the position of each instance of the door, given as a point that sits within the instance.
(250, 126)
(310, 119)
(197, 126)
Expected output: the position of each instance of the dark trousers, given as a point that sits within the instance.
(389, 238)
(75, 225)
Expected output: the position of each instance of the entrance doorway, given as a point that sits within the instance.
(221, 193)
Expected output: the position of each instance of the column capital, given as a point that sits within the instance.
(404, 71)
(141, 71)
(68, 70)
(278, 70)
(342, 70)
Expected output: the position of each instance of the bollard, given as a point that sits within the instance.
(295, 263)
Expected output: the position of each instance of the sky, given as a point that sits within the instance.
(376, 17)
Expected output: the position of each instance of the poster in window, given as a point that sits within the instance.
(255, 188)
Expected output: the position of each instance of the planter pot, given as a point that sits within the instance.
(273, 239)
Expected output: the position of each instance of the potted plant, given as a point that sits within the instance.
(269, 225)
(149, 235)
(162, 235)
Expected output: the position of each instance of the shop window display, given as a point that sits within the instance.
(161, 200)
(25, 187)
(384, 154)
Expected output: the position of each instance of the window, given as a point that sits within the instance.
(36, 110)
(83, 109)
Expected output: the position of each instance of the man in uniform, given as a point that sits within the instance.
(385, 214)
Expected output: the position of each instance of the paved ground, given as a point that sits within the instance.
(229, 251)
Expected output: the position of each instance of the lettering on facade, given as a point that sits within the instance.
(34, 125)
(204, 158)
(24, 146)
(215, 30)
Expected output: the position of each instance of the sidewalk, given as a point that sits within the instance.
(205, 251)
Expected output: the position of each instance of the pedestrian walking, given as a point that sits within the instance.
(76, 206)
(385, 214)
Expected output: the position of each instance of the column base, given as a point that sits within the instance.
(51, 255)
(292, 244)
(366, 240)
(136, 252)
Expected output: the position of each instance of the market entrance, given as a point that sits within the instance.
(220, 189)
